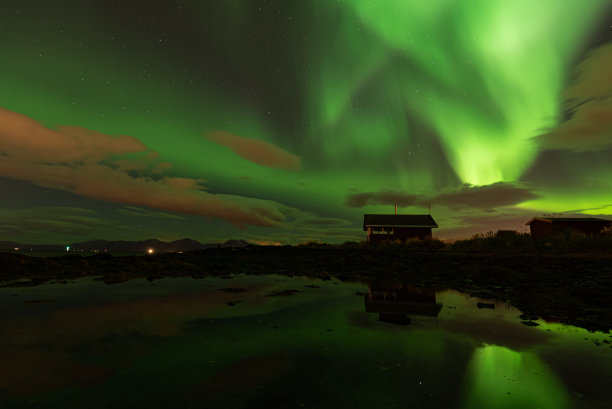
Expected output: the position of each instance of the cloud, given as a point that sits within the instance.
(323, 222)
(134, 211)
(589, 101)
(484, 197)
(32, 223)
(465, 196)
(256, 151)
(382, 198)
(101, 166)
(24, 137)
(304, 226)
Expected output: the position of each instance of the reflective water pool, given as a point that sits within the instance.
(275, 341)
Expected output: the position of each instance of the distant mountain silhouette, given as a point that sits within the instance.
(124, 246)
(235, 243)
(187, 244)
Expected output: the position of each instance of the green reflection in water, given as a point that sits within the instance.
(499, 377)
(177, 343)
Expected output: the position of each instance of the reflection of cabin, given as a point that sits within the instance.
(383, 227)
(395, 301)
(544, 226)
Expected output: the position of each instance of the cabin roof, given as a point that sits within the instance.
(398, 220)
(568, 220)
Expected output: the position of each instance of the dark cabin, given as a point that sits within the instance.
(389, 227)
(544, 226)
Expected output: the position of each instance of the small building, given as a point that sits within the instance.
(544, 226)
(390, 227)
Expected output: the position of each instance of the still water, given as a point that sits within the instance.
(274, 341)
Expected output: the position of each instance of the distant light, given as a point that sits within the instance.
(150, 251)
(67, 248)
(16, 248)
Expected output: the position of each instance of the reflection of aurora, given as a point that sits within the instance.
(179, 343)
(499, 377)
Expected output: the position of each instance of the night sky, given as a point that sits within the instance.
(286, 121)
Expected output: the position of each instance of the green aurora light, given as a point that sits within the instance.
(408, 96)
(468, 68)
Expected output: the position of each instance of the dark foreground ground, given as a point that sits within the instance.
(569, 288)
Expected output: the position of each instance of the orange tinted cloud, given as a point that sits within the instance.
(81, 161)
(23, 136)
(256, 151)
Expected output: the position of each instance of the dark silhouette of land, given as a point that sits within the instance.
(567, 280)
(121, 246)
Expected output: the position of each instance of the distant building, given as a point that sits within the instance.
(390, 227)
(545, 226)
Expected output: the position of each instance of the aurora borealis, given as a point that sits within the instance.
(285, 121)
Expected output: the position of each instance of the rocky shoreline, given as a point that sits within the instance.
(569, 288)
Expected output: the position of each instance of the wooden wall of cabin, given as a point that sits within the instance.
(407, 233)
(590, 229)
(540, 229)
(401, 234)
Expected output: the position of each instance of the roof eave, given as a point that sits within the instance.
(401, 225)
(533, 219)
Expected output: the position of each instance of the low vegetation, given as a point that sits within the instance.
(508, 241)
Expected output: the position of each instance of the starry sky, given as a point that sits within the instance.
(285, 121)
